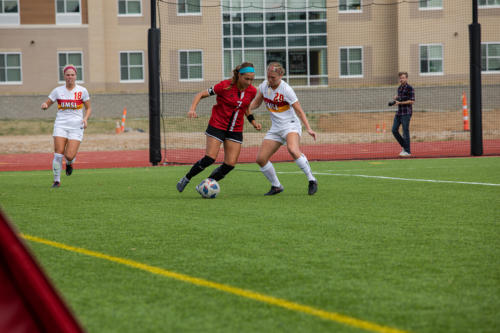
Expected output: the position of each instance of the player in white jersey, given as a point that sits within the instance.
(286, 128)
(70, 121)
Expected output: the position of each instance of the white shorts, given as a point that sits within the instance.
(69, 133)
(279, 134)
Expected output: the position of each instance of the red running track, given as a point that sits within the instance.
(140, 158)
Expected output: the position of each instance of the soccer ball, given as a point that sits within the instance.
(209, 188)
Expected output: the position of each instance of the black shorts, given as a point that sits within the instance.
(223, 135)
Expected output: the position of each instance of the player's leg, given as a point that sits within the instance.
(232, 151)
(70, 154)
(211, 151)
(293, 146)
(266, 150)
(59, 146)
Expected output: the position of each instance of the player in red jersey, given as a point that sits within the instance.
(226, 122)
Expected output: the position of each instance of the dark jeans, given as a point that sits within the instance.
(404, 140)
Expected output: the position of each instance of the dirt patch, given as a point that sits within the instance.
(353, 127)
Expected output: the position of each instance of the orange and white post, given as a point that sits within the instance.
(465, 112)
(124, 116)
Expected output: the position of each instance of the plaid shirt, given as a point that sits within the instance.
(405, 93)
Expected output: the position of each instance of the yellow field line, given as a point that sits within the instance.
(366, 325)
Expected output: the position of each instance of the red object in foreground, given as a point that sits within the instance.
(28, 301)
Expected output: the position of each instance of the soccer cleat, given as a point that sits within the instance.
(181, 185)
(56, 185)
(275, 190)
(313, 187)
(69, 169)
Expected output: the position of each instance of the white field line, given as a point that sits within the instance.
(396, 178)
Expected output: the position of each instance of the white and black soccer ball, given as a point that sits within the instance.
(208, 188)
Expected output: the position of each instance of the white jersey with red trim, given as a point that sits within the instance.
(279, 102)
(69, 106)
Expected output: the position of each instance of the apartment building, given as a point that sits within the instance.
(105, 39)
(322, 43)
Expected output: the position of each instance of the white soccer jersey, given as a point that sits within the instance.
(279, 103)
(69, 106)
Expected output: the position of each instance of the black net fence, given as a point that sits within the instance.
(342, 57)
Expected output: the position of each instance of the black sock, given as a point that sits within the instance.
(199, 166)
(221, 171)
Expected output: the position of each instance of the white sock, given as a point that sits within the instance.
(70, 162)
(57, 166)
(303, 163)
(270, 173)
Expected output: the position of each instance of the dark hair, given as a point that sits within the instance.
(403, 73)
(236, 72)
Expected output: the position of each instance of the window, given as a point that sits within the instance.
(490, 57)
(129, 7)
(188, 7)
(68, 12)
(10, 68)
(131, 66)
(430, 4)
(349, 6)
(351, 62)
(190, 65)
(489, 3)
(292, 32)
(74, 58)
(431, 59)
(9, 12)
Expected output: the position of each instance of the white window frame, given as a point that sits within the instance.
(20, 69)
(489, 71)
(202, 67)
(488, 6)
(128, 66)
(349, 76)
(10, 18)
(429, 59)
(69, 18)
(430, 8)
(231, 52)
(185, 13)
(80, 70)
(126, 6)
(360, 10)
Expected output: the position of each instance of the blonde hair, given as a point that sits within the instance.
(69, 66)
(276, 67)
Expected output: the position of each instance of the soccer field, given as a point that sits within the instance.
(384, 246)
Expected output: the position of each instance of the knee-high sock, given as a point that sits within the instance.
(199, 166)
(57, 166)
(303, 163)
(270, 173)
(221, 171)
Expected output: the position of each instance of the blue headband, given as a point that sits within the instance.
(247, 70)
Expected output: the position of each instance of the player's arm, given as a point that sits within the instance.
(302, 115)
(47, 104)
(197, 98)
(257, 101)
(88, 112)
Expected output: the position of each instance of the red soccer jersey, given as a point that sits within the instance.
(231, 105)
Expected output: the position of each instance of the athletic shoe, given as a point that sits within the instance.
(182, 184)
(404, 153)
(69, 169)
(275, 190)
(56, 185)
(313, 187)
